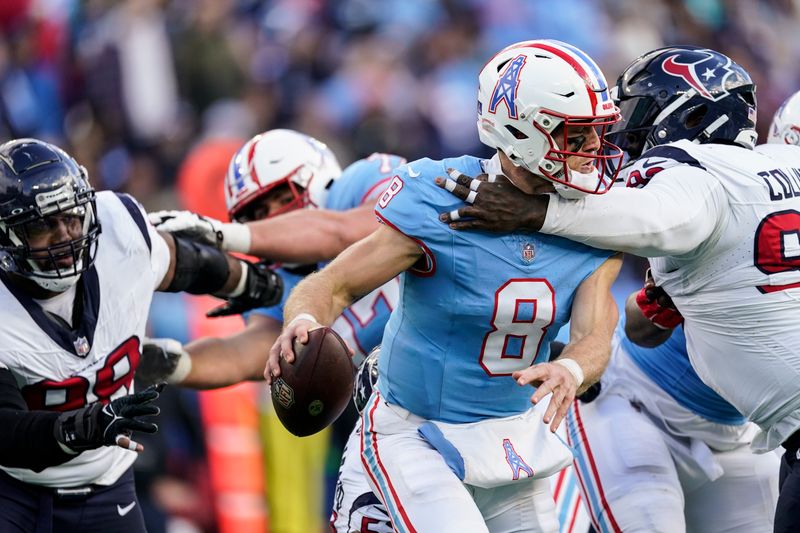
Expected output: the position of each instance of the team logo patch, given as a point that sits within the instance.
(516, 462)
(528, 252)
(705, 75)
(506, 89)
(283, 393)
(82, 347)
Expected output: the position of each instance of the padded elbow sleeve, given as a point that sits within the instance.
(199, 268)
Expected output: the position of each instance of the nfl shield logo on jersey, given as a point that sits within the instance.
(528, 252)
(81, 346)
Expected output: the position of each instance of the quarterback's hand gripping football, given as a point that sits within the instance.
(547, 378)
(99, 425)
(263, 288)
(494, 204)
(163, 360)
(657, 306)
(232, 237)
(283, 347)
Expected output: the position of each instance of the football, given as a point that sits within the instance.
(314, 390)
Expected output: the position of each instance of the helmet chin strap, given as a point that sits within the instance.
(55, 283)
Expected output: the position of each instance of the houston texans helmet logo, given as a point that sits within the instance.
(506, 88)
(705, 75)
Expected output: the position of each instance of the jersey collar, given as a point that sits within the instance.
(84, 318)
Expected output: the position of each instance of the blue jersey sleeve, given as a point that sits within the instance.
(362, 182)
(412, 202)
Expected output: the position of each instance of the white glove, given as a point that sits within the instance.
(163, 360)
(232, 237)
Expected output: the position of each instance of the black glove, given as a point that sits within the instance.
(98, 425)
(163, 360)
(264, 288)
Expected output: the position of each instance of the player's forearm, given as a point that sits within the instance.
(320, 296)
(592, 351)
(650, 222)
(217, 363)
(309, 236)
(200, 269)
(593, 321)
(360, 269)
(29, 440)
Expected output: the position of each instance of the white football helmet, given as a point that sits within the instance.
(785, 128)
(279, 157)
(531, 88)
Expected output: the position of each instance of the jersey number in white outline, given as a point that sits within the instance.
(523, 310)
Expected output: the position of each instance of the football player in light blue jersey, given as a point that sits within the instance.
(659, 450)
(269, 178)
(450, 441)
(362, 324)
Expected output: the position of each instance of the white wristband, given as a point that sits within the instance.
(303, 316)
(182, 369)
(236, 237)
(242, 281)
(574, 368)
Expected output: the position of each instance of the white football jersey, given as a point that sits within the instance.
(739, 291)
(58, 369)
(721, 226)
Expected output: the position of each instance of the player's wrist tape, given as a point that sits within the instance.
(240, 287)
(303, 316)
(182, 369)
(236, 237)
(574, 368)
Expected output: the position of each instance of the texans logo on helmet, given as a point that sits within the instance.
(506, 88)
(710, 83)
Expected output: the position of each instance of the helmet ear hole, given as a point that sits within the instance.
(748, 97)
(695, 116)
(640, 77)
(515, 132)
(502, 65)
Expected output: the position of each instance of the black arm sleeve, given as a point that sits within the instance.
(199, 268)
(27, 436)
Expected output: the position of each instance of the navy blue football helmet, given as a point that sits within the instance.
(683, 92)
(366, 378)
(41, 189)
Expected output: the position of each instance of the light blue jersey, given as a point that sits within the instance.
(669, 367)
(361, 324)
(362, 182)
(478, 307)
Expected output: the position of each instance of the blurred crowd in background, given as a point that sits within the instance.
(154, 96)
